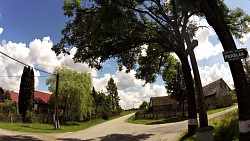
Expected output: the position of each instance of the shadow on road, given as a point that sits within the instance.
(18, 138)
(115, 137)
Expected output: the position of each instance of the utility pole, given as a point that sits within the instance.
(200, 97)
(56, 119)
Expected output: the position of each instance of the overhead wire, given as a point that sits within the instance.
(25, 64)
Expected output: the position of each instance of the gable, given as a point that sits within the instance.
(214, 87)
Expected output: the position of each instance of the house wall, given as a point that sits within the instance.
(223, 96)
(211, 102)
(224, 101)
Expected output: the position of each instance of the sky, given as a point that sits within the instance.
(28, 30)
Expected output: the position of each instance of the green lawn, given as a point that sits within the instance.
(174, 119)
(220, 109)
(48, 128)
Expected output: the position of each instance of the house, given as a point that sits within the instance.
(163, 103)
(41, 100)
(217, 94)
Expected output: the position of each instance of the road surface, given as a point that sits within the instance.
(114, 130)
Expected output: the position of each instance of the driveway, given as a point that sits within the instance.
(114, 130)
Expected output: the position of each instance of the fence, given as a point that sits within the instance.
(165, 115)
(14, 118)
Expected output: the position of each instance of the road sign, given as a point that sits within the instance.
(235, 54)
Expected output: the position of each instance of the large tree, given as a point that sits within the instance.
(102, 29)
(102, 106)
(113, 94)
(26, 99)
(74, 95)
(225, 25)
(174, 80)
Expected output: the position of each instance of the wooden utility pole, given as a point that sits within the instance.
(200, 97)
(56, 119)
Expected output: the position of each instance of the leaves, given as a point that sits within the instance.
(26, 99)
(74, 92)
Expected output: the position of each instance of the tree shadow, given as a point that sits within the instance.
(18, 138)
(187, 136)
(115, 137)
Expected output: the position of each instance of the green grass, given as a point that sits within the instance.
(48, 128)
(225, 128)
(210, 112)
(174, 119)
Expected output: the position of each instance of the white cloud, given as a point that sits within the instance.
(244, 38)
(38, 53)
(80, 67)
(205, 48)
(127, 80)
(42, 55)
(215, 72)
(100, 83)
(131, 90)
(1, 30)
(11, 68)
(134, 99)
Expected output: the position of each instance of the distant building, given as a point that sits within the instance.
(41, 100)
(217, 94)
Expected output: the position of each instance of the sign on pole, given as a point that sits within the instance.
(235, 54)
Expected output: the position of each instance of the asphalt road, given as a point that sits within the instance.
(114, 130)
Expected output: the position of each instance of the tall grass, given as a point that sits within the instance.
(226, 126)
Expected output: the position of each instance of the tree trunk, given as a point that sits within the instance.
(192, 116)
(215, 19)
(183, 108)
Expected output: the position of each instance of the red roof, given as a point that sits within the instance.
(40, 97)
(13, 95)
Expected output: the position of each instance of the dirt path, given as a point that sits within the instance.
(114, 130)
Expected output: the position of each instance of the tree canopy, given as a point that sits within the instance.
(74, 95)
(104, 29)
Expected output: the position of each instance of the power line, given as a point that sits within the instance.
(8, 59)
(21, 76)
(25, 64)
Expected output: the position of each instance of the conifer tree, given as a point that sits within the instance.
(26, 94)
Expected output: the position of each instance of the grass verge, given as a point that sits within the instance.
(48, 128)
(170, 120)
(225, 128)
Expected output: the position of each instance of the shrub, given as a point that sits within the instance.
(30, 117)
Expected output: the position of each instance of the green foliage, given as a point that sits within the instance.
(113, 95)
(226, 127)
(102, 106)
(174, 80)
(6, 96)
(144, 105)
(26, 93)
(74, 95)
(8, 106)
(30, 117)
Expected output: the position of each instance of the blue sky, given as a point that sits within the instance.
(28, 29)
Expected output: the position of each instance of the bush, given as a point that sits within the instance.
(30, 117)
